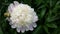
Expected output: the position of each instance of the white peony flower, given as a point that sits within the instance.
(22, 17)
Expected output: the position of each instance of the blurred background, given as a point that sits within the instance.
(48, 12)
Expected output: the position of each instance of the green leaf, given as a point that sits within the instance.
(46, 29)
(1, 31)
(42, 13)
(12, 31)
(38, 2)
(52, 25)
(37, 30)
(56, 31)
(56, 6)
(27, 2)
(51, 17)
(52, 3)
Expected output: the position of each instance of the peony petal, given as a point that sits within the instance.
(34, 25)
(30, 27)
(13, 26)
(18, 29)
(22, 29)
(16, 3)
(35, 18)
(26, 28)
(10, 7)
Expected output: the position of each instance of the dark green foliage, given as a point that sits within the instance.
(48, 12)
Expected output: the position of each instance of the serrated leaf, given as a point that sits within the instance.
(52, 25)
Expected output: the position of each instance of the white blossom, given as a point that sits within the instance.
(22, 17)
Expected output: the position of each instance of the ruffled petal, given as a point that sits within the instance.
(22, 29)
(13, 26)
(16, 3)
(10, 8)
(35, 18)
(18, 29)
(34, 25)
(30, 27)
